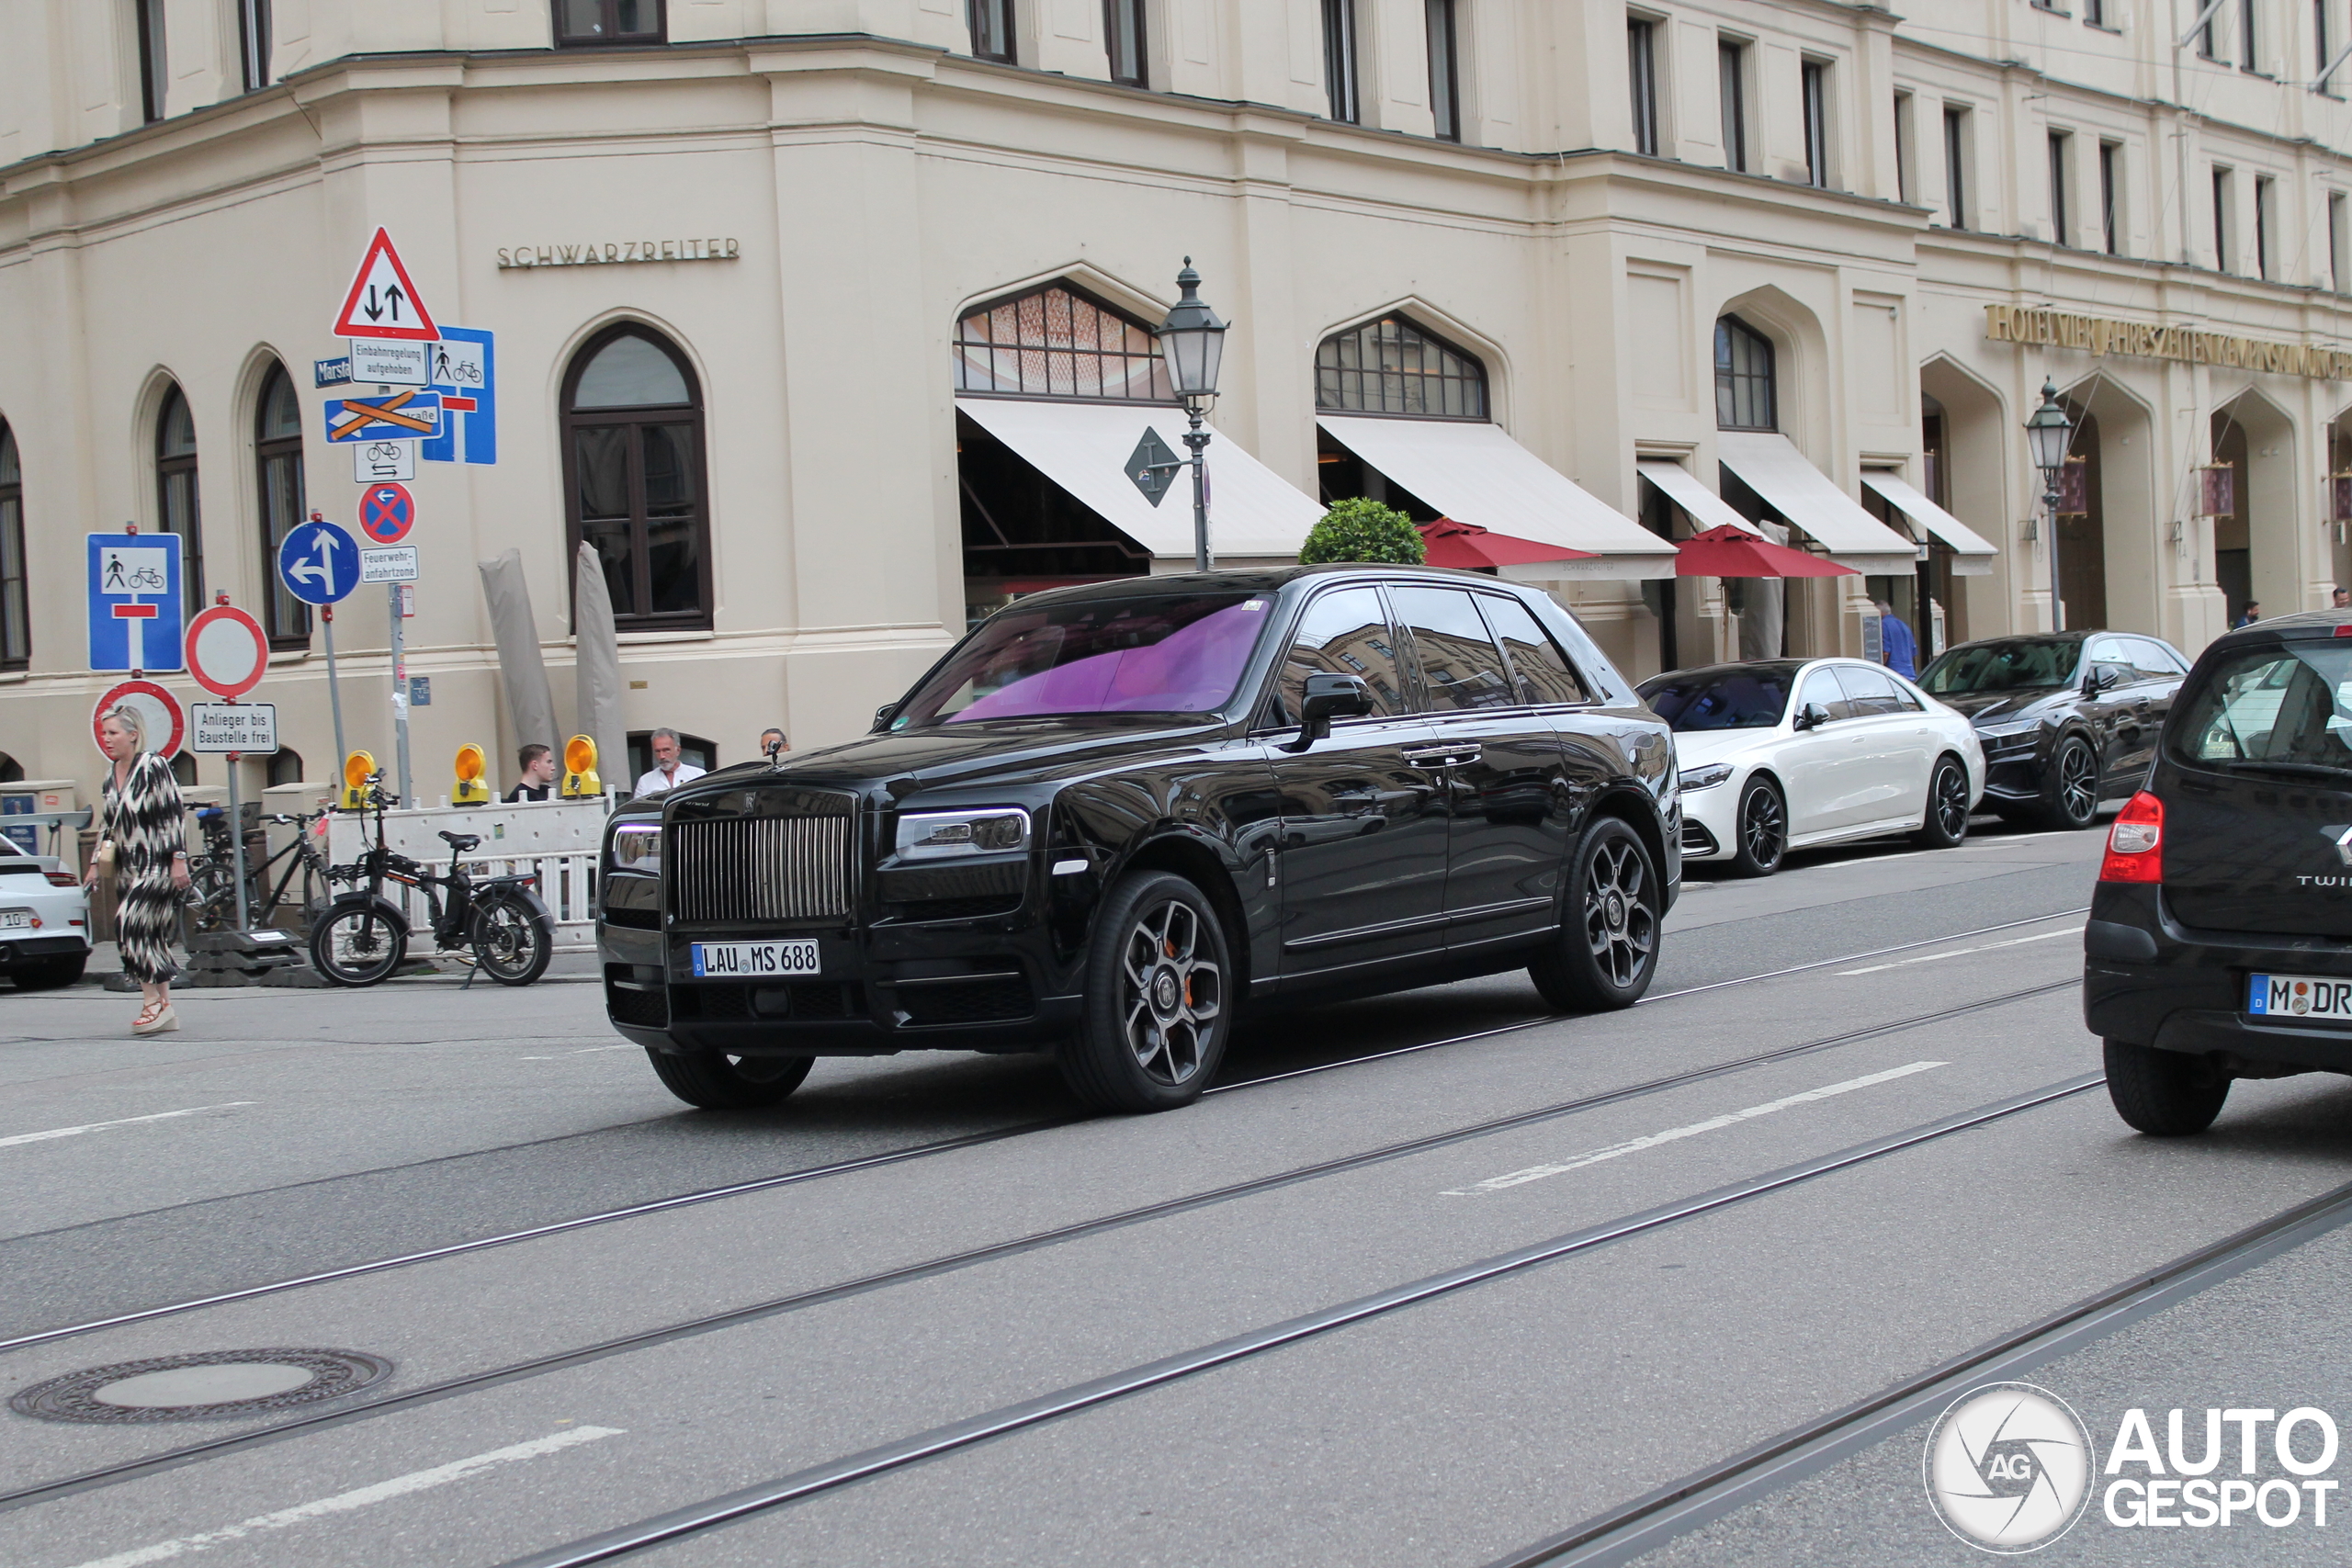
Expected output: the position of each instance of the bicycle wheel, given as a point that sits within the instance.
(356, 945)
(212, 895)
(512, 941)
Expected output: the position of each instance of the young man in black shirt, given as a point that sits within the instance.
(539, 773)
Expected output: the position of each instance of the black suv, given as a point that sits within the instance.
(2066, 719)
(2220, 942)
(1112, 814)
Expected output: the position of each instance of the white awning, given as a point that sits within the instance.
(1084, 447)
(1707, 509)
(1972, 552)
(1473, 472)
(1775, 469)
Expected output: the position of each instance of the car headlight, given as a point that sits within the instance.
(2004, 731)
(1707, 777)
(945, 835)
(637, 846)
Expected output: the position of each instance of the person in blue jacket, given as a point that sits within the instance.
(1897, 650)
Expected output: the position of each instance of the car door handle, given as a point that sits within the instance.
(1451, 756)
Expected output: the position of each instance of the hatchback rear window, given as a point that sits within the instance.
(2282, 709)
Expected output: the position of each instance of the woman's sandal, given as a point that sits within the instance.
(155, 1018)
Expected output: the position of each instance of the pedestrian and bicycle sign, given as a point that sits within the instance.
(318, 563)
(465, 376)
(227, 651)
(385, 513)
(402, 415)
(134, 601)
(383, 302)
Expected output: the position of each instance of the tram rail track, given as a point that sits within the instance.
(955, 1262)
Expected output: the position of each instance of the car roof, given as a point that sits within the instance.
(2325, 623)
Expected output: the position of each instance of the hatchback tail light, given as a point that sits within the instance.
(2135, 844)
(62, 879)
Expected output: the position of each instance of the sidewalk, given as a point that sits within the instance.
(563, 969)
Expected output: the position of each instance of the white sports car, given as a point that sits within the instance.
(44, 921)
(1786, 753)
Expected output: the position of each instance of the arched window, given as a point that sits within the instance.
(15, 628)
(1744, 391)
(176, 507)
(285, 766)
(633, 484)
(1056, 342)
(1391, 366)
(278, 453)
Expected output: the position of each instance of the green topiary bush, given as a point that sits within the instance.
(1361, 529)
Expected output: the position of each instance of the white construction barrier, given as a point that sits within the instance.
(557, 839)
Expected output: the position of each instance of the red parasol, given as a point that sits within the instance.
(1467, 544)
(1728, 552)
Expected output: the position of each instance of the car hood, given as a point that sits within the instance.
(2004, 707)
(950, 756)
(1698, 747)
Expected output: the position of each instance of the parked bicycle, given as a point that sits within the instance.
(362, 937)
(213, 882)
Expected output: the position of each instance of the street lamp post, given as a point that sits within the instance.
(2047, 433)
(1192, 341)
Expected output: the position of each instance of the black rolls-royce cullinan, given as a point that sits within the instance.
(1115, 814)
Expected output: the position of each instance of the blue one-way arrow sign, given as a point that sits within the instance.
(318, 563)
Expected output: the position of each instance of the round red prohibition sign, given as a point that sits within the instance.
(386, 512)
(166, 722)
(227, 651)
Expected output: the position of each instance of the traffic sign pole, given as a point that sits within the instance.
(334, 688)
(399, 688)
(237, 835)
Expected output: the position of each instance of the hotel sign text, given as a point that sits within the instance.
(2100, 335)
(617, 251)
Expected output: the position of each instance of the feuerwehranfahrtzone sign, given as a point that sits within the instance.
(135, 611)
(383, 302)
(218, 728)
(395, 563)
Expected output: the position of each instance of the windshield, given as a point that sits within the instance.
(2012, 665)
(1169, 653)
(2271, 710)
(1750, 696)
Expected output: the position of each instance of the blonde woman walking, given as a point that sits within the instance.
(142, 831)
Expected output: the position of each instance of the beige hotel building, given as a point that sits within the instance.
(827, 322)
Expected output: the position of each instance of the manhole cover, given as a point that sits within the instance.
(206, 1385)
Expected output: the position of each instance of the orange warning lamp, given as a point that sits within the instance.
(470, 790)
(355, 769)
(580, 768)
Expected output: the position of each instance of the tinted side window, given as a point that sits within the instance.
(1905, 698)
(1868, 691)
(1822, 687)
(1344, 633)
(1541, 669)
(1461, 668)
(2152, 660)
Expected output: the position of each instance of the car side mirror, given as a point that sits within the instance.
(1329, 698)
(882, 717)
(2099, 678)
(1812, 715)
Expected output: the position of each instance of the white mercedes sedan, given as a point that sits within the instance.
(1785, 754)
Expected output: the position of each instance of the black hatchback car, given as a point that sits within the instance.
(1113, 815)
(2067, 720)
(2220, 942)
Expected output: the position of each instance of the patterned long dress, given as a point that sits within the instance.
(147, 822)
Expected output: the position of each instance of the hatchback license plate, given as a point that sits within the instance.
(2298, 996)
(10, 918)
(726, 960)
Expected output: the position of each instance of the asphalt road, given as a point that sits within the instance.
(1298, 1322)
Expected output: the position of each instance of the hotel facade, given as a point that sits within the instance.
(827, 323)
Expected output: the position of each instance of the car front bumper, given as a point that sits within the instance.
(1711, 821)
(2147, 980)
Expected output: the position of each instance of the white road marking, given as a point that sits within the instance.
(1957, 952)
(584, 1051)
(122, 1121)
(345, 1502)
(1713, 1123)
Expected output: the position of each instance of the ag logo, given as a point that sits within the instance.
(2339, 834)
(2008, 1466)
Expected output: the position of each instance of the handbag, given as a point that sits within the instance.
(104, 864)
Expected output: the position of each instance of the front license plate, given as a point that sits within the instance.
(2298, 996)
(727, 960)
(13, 917)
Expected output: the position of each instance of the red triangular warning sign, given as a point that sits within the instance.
(383, 303)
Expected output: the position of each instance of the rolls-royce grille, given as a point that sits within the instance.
(760, 868)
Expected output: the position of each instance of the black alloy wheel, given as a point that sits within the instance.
(1946, 821)
(2070, 787)
(2164, 1093)
(356, 946)
(1606, 953)
(1762, 828)
(512, 941)
(1157, 1014)
(711, 1080)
